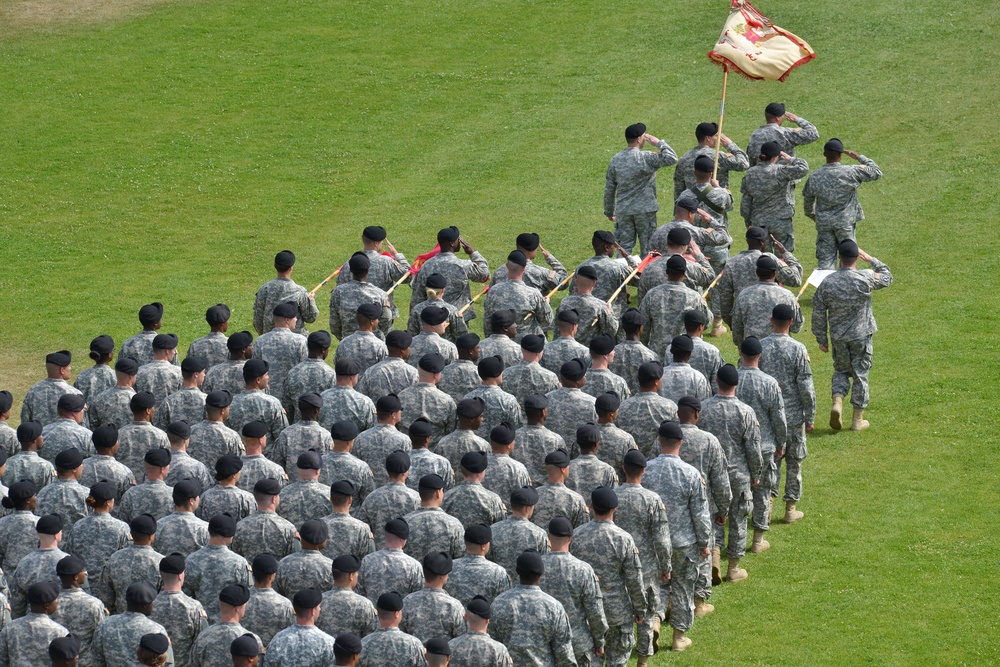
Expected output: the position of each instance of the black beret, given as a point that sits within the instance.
(602, 344)
(536, 402)
(502, 433)
(234, 594)
(314, 531)
(574, 369)
(530, 562)
(103, 344)
(151, 313)
(678, 236)
(50, 524)
(227, 466)
(388, 404)
(438, 646)
(265, 563)
(587, 271)
(603, 236)
(71, 403)
(433, 315)
(185, 490)
(391, 601)
(632, 317)
(848, 248)
(155, 642)
(347, 642)
(607, 402)
(398, 527)
(60, 358)
(222, 525)
(142, 400)
(479, 606)
(286, 309)
(347, 367)
(431, 482)
(6, 401)
(309, 460)
(432, 362)
(649, 371)
(706, 130)
(835, 145)
(399, 339)
(307, 598)
(372, 311)
(70, 565)
(43, 592)
(775, 109)
(217, 314)
(695, 317)
(437, 563)
(255, 368)
(319, 339)
(526, 495)
(491, 367)
(342, 487)
(670, 430)
(783, 312)
(220, 398)
(533, 343)
(634, 458)
(528, 240)
(239, 341)
(165, 341)
(65, 648)
(766, 263)
(588, 434)
(102, 491)
(560, 526)
(682, 343)
(569, 315)
(254, 429)
(474, 462)
(70, 458)
(478, 533)
(448, 235)
(558, 458)
(604, 498)
(245, 646)
(157, 456)
(346, 563)
(676, 264)
(173, 564)
(750, 347)
(193, 364)
(268, 486)
(22, 490)
(756, 234)
(502, 319)
(688, 204)
(344, 431)
(470, 408)
(141, 592)
(397, 462)
(285, 258)
(689, 402)
(436, 281)
(770, 149)
(420, 428)
(704, 164)
(728, 375)
(144, 524)
(467, 341)
(374, 233)
(517, 257)
(635, 131)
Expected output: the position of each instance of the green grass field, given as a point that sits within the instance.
(167, 155)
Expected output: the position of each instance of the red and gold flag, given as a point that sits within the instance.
(419, 261)
(756, 48)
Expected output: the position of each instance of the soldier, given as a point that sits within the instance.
(95, 538)
(465, 438)
(182, 616)
(734, 423)
(255, 465)
(499, 406)
(372, 446)
(263, 530)
(422, 460)
(534, 275)
(664, 306)
(343, 401)
(536, 618)
(569, 405)
(574, 585)
(17, 526)
(279, 347)
(66, 432)
(768, 194)
(343, 610)
(267, 611)
(709, 142)
(470, 502)
(392, 374)
(306, 497)
(528, 377)
(431, 612)
(99, 377)
(214, 567)
(255, 404)
(751, 315)
(134, 562)
(787, 361)
(587, 472)
(24, 642)
(226, 497)
(137, 438)
(389, 645)
(503, 472)
(434, 322)
(642, 414)
(313, 375)
(348, 535)
(630, 190)
(213, 348)
(611, 272)
(212, 439)
(117, 637)
(65, 496)
(461, 376)
(390, 499)
(710, 234)
(717, 202)
(386, 267)
(599, 378)
(424, 399)
(283, 290)
(40, 402)
(532, 311)
(595, 315)
(830, 199)
(844, 305)
(161, 376)
(534, 440)
(182, 464)
(365, 345)
(187, 403)
(77, 611)
(27, 464)
(435, 286)
(679, 378)
(213, 646)
(182, 531)
(741, 271)
(517, 532)
(555, 498)
(503, 341)
(229, 374)
(787, 138)
(303, 643)
(565, 346)
(139, 346)
(458, 272)
(153, 496)
(682, 490)
(705, 357)
(431, 529)
(308, 567)
(111, 406)
(341, 464)
(390, 568)
(698, 274)
(476, 648)
(631, 353)
(472, 575)
(615, 442)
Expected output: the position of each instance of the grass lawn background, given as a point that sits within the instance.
(167, 157)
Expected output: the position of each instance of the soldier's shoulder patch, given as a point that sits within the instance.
(107, 612)
(130, 537)
(297, 536)
(795, 129)
(371, 535)
(552, 275)
(808, 358)
(283, 411)
(878, 276)
(6, 605)
(662, 506)
(284, 476)
(202, 612)
(371, 474)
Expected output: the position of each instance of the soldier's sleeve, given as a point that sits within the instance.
(735, 322)
(562, 640)
(751, 447)
(258, 313)
(791, 274)
(413, 323)
(26, 408)
(698, 507)
(704, 273)
(679, 185)
(723, 292)
(808, 201)
(719, 476)
(307, 306)
(386, 321)
(367, 486)
(458, 325)
(746, 204)
(738, 160)
(610, 187)
(778, 421)
(594, 609)
(794, 169)
(819, 316)
(645, 309)
(543, 312)
(401, 266)
(798, 318)
(336, 326)
(664, 158)
(660, 532)
(499, 627)
(806, 135)
(479, 269)
(560, 273)
(417, 292)
(868, 171)
(807, 392)
(883, 276)
(609, 321)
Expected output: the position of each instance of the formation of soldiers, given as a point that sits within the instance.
(434, 496)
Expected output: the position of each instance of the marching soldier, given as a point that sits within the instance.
(283, 290)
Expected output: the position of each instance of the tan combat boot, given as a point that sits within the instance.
(656, 633)
(716, 566)
(718, 328)
(836, 412)
(702, 608)
(680, 641)
(735, 572)
(791, 514)
(641, 661)
(759, 543)
(859, 423)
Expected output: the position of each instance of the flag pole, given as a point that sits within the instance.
(722, 113)
(805, 284)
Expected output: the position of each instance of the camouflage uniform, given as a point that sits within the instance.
(504, 474)
(392, 500)
(478, 649)
(844, 302)
(457, 444)
(62, 434)
(31, 466)
(134, 440)
(698, 272)
(534, 443)
(457, 272)
(390, 646)
(363, 347)
(768, 197)
(751, 315)
(587, 472)
(423, 399)
(264, 531)
(210, 569)
(561, 350)
(256, 405)
(299, 438)
(95, 380)
(117, 638)
(231, 500)
(713, 238)
(347, 536)
(629, 355)
(603, 380)
(568, 409)
(431, 612)
(389, 376)
(65, 497)
(559, 500)
(17, 538)
(389, 570)
(734, 423)
(664, 307)
(185, 404)
(282, 349)
(267, 613)
(80, 613)
(211, 649)
(427, 342)
(680, 379)
(630, 193)
(501, 345)
(373, 445)
(425, 462)
(611, 273)
(574, 584)
(24, 642)
(342, 610)
(534, 626)
(472, 503)
(787, 138)
(615, 443)
(311, 375)
(456, 322)
(8, 439)
(303, 569)
(151, 497)
(762, 393)
(139, 347)
(185, 466)
(741, 272)
(717, 202)
(734, 160)
(641, 415)
(524, 301)
(227, 375)
(383, 273)
(787, 361)
(278, 291)
(526, 378)
(500, 407)
(474, 575)
(37, 565)
(256, 468)
(184, 619)
(513, 536)
(431, 529)
(300, 645)
(707, 360)
(542, 279)
(590, 308)
(40, 402)
(212, 440)
(212, 347)
(125, 567)
(111, 407)
(182, 532)
(830, 198)
(95, 539)
(304, 500)
(338, 466)
(160, 378)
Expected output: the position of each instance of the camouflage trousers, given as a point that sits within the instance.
(683, 578)
(618, 644)
(587, 659)
(827, 241)
(644, 630)
(632, 226)
(852, 359)
(795, 452)
(703, 587)
(783, 231)
(717, 256)
(736, 522)
(762, 492)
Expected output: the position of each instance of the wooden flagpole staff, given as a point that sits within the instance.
(330, 277)
(714, 283)
(398, 283)
(461, 311)
(553, 292)
(722, 114)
